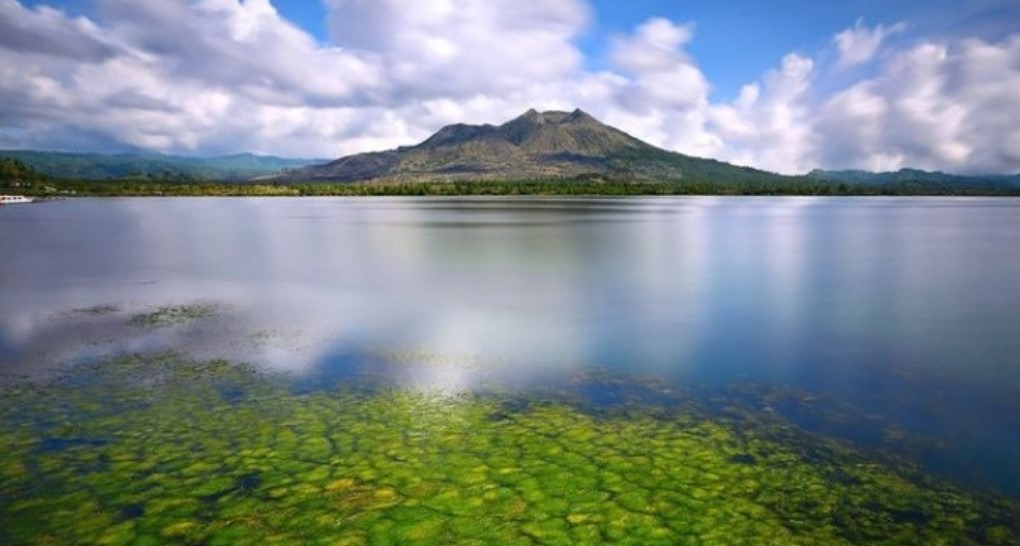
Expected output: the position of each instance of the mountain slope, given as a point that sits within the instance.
(74, 166)
(14, 171)
(916, 176)
(533, 146)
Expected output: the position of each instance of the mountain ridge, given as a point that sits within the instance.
(535, 145)
(95, 166)
(912, 175)
(546, 146)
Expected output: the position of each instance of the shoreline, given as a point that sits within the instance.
(68, 189)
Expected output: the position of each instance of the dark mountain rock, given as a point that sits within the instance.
(360, 166)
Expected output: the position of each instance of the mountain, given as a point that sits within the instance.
(14, 171)
(536, 145)
(917, 176)
(74, 166)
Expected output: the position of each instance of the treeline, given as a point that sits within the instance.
(790, 186)
(85, 166)
(18, 177)
(15, 171)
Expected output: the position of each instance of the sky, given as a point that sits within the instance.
(783, 85)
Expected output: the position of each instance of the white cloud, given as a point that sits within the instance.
(769, 124)
(860, 44)
(47, 31)
(215, 76)
(246, 47)
(660, 94)
(228, 75)
(656, 46)
(933, 106)
(662, 73)
(462, 48)
(238, 76)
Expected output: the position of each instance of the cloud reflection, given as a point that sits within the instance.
(895, 304)
(703, 289)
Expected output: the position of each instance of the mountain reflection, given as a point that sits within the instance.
(711, 287)
(903, 307)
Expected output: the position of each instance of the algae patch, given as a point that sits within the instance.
(170, 315)
(96, 310)
(161, 450)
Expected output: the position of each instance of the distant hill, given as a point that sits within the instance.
(552, 148)
(73, 166)
(916, 176)
(14, 173)
(533, 146)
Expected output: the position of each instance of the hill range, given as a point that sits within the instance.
(536, 145)
(87, 166)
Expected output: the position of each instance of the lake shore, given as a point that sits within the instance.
(799, 187)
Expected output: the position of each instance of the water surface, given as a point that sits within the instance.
(890, 323)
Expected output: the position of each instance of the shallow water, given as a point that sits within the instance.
(891, 324)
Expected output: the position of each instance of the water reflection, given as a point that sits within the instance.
(826, 295)
(766, 286)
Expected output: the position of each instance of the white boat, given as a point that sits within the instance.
(14, 199)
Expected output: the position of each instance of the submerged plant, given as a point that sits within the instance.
(96, 310)
(170, 315)
(140, 451)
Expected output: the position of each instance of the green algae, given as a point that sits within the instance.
(170, 315)
(96, 310)
(148, 450)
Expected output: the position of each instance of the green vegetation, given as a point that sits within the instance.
(550, 153)
(173, 314)
(149, 166)
(914, 176)
(95, 310)
(160, 450)
(14, 173)
(575, 186)
(17, 177)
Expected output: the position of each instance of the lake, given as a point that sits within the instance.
(510, 370)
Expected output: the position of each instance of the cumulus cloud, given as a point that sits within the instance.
(946, 106)
(662, 73)
(177, 76)
(661, 93)
(769, 124)
(218, 76)
(246, 47)
(462, 48)
(225, 75)
(47, 31)
(933, 106)
(860, 44)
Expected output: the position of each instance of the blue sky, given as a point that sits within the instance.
(787, 85)
(737, 40)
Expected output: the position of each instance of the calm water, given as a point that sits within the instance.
(894, 323)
